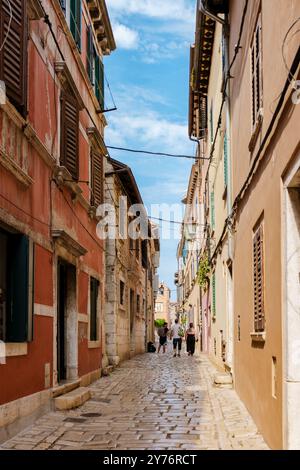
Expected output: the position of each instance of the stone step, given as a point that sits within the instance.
(65, 388)
(72, 399)
(223, 380)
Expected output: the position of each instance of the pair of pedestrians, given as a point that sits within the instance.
(177, 333)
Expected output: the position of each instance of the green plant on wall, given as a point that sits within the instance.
(159, 322)
(203, 271)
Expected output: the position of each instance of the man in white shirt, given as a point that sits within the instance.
(176, 334)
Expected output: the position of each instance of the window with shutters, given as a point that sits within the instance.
(94, 295)
(72, 12)
(13, 55)
(16, 287)
(70, 133)
(256, 74)
(97, 178)
(214, 309)
(95, 69)
(258, 279)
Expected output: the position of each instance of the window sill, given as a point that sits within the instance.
(15, 349)
(122, 307)
(94, 344)
(258, 337)
(256, 130)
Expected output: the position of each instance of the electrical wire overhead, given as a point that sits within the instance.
(147, 152)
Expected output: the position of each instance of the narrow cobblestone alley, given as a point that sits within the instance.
(150, 402)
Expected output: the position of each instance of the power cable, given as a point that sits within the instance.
(147, 152)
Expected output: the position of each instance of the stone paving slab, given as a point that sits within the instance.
(153, 402)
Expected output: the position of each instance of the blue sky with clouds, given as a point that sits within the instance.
(148, 76)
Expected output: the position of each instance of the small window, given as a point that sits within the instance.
(256, 73)
(258, 279)
(94, 294)
(72, 12)
(137, 248)
(13, 53)
(16, 287)
(138, 303)
(122, 293)
(70, 133)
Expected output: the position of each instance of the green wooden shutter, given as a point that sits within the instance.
(89, 61)
(99, 86)
(13, 56)
(225, 161)
(75, 21)
(19, 327)
(94, 290)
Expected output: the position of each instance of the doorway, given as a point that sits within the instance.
(291, 317)
(67, 354)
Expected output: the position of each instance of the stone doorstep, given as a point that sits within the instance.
(72, 399)
(65, 388)
(223, 380)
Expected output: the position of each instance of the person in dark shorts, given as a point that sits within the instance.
(163, 333)
(190, 337)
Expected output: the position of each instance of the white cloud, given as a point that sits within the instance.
(126, 38)
(166, 9)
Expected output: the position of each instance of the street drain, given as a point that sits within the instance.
(91, 415)
(74, 420)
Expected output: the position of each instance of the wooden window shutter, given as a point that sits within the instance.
(258, 278)
(75, 21)
(214, 295)
(94, 291)
(99, 88)
(19, 327)
(256, 72)
(97, 178)
(70, 133)
(13, 56)
(90, 50)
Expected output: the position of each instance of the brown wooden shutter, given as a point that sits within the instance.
(258, 272)
(256, 72)
(97, 178)
(13, 56)
(70, 133)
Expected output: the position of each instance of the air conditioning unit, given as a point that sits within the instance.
(216, 6)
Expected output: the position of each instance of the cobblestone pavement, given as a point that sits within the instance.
(150, 402)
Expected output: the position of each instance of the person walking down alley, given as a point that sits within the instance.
(163, 337)
(177, 334)
(190, 337)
